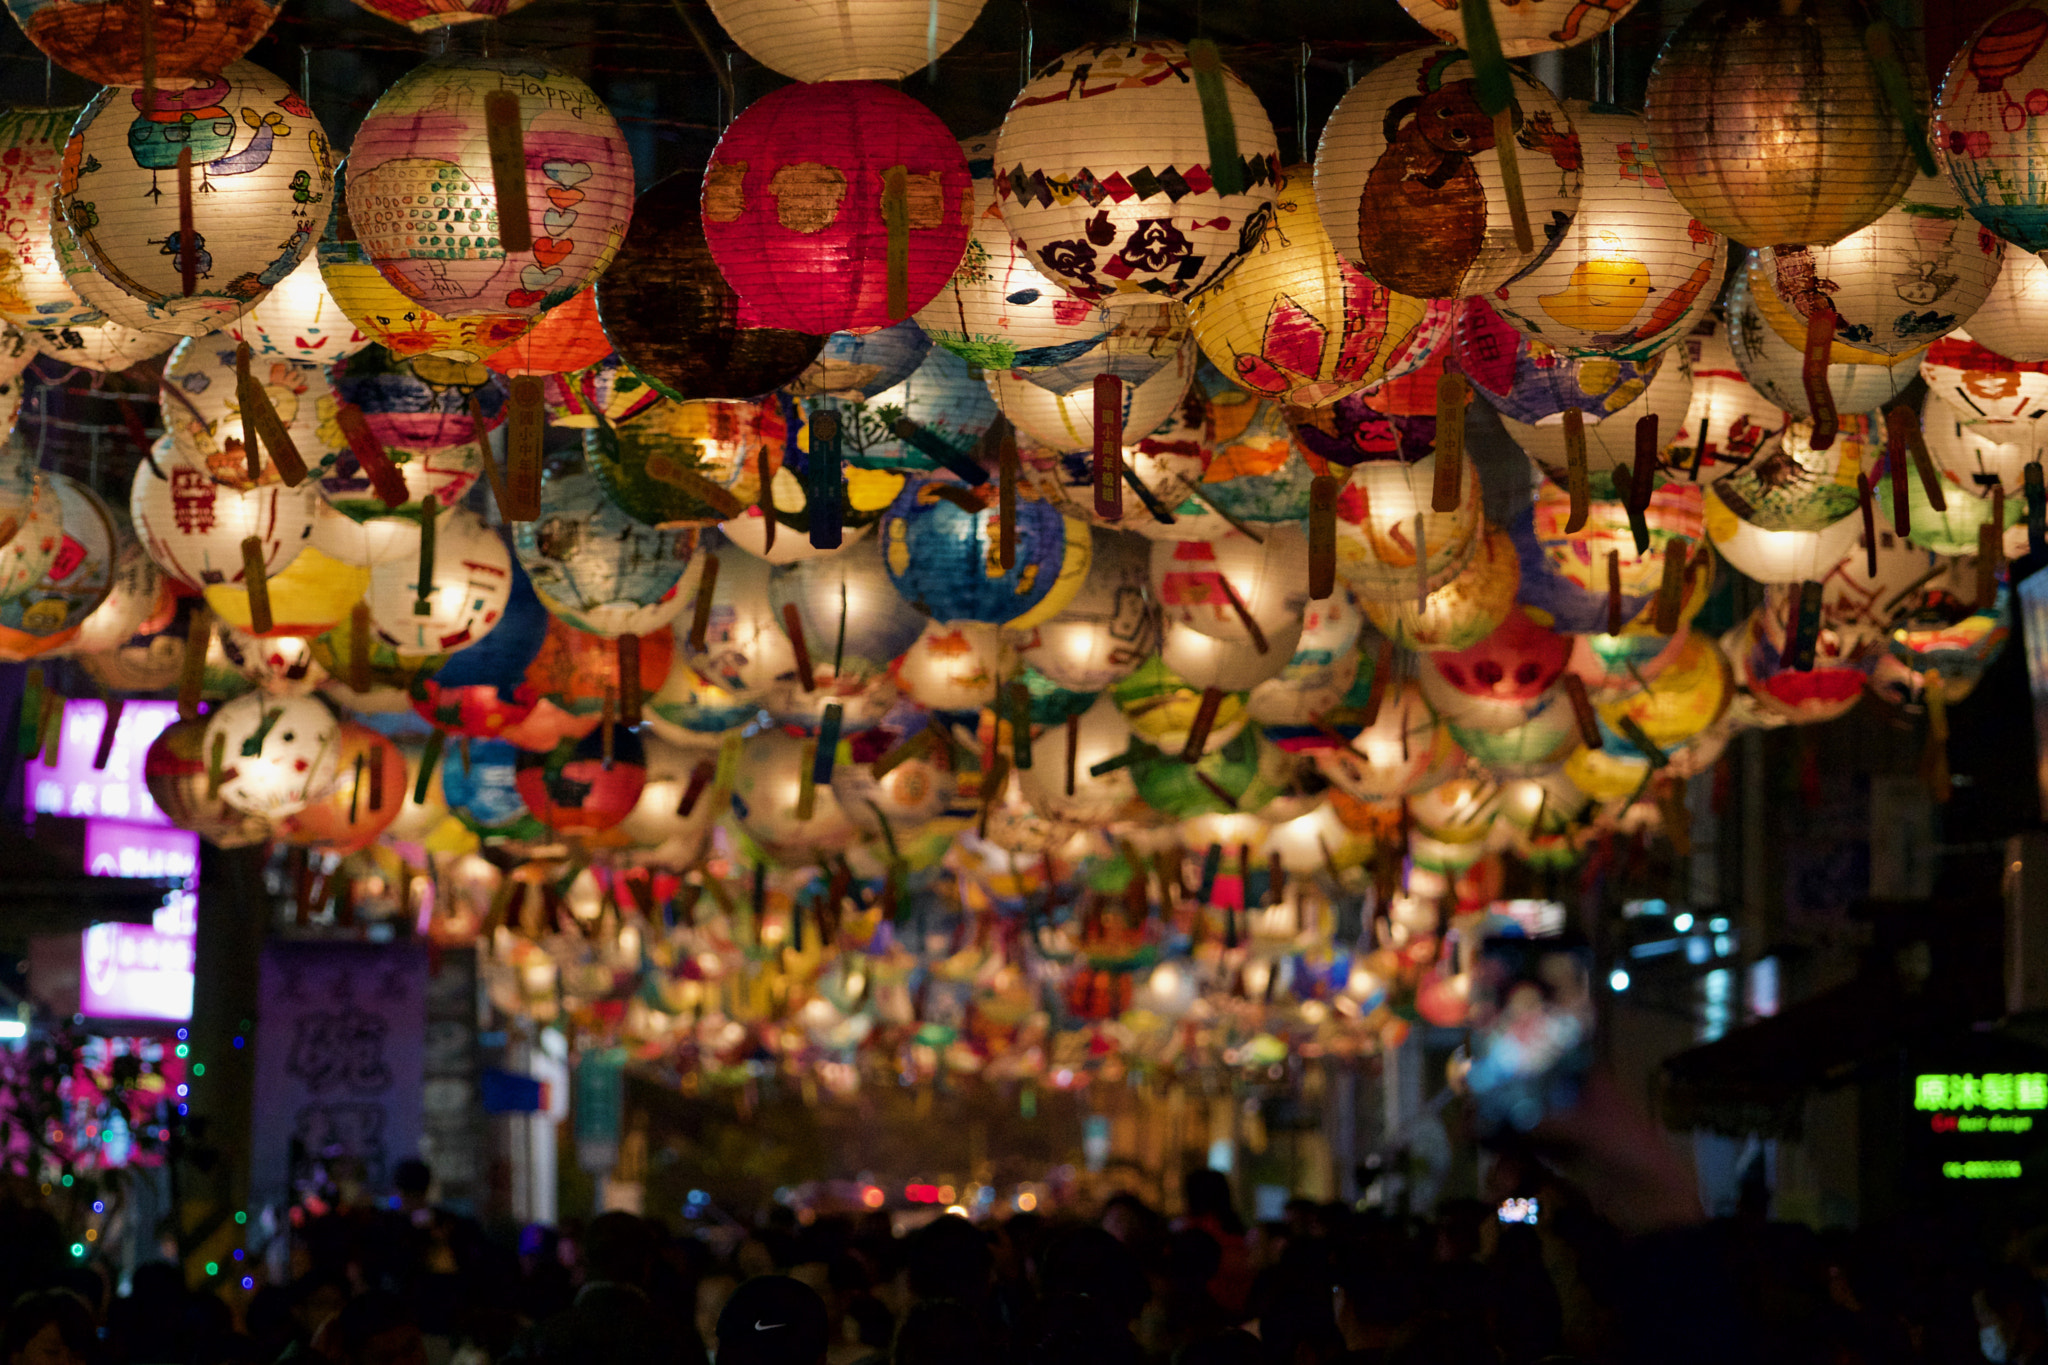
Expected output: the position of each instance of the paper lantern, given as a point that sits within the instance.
(1542, 734)
(800, 194)
(1391, 545)
(868, 40)
(1983, 131)
(583, 786)
(1464, 611)
(425, 205)
(256, 207)
(1299, 324)
(365, 803)
(687, 707)
(1798, 488)
(77, 579)
(483, 690)
(1980, 456)
(1066, 421)
(308, 598)
(279, 754)
(767, 788)
(1203, 585)
(575, 672)
(1914, 275)
(655, 821)
(1983, 387)
(1524, 29)
(1727, 421)
(1109, 627)
(1946, 634)
(33, 289)
(1250, 466)
(860, 365)
(384, 532)
(470, 583)
(1408, 178)
(2013, 319)
(1617, 666)
(1774, 126)
(103, 40)
(853, 620)
(1208, 663)
(203, 410)
(744, 648)
(299, 321)
(108, 347)
(1352, 431)
(1096, 735)
(1690, 694)
(282, 665)
(1161, 705)
(948, 404)
(1756, 650)
(422, 403)
(175, 771)
(1772, 365)
(1247, 770)
(565, 338)
(952, 666)
(1518, 661)
(481, 787)
(139, 602)
(1777, 556)
(1406, 749)
(1634, 270)
(945, 560)
(194, 527)
(1565, 576)
(32, 514)
(597, 568)
(424, 16)
(655, 466)
(1527, 379)
(1610, 437)
(1316, 678)
(1952, 531)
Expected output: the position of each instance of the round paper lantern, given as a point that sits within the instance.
(1317, 676)
(1772, 365)
(848, 610)
(1212, 664)
(1914, 275)
(1249, 771)
(483, 793)
(1250, 466)
(1690, 694)
(1299, 324)
(1096, 735)
(767, 787)
(654, 820)
(77, 579)
(1634, 270)
(103, 40)
(1202, 585)
(260, 189)
(1542, 734)
(2013, 319)
(861, 365)
(1518, 661)
(1161, 705)
(597, 568)
(1066, 421)
(483, 690)
(1974, 455)
(1952, 531)
(670, 314)
(1464, 611)
(194, 527)
(868, 40)
(576, 671)
(139, 602)
(1774, 127)
(655, 465)
(1406, 749)
(1983, 132)
(175, 771)
(364, 803)
(946, 401)
(748, 530)
(1756, 652)
(582, 786)
(1523, 29)
(1527, 379)
(470, 584)
(1727, 421)
(33, 289)
(425, 206)
(1103, 175)
(1610, 436)
(799, 196)
(910, 796)
(307, 598)
(424, 16)
(391, 675)
(1109, 627)
(1391, 544)
(383, 532)
(1408, 178)
(745, 649)
(1051, 704)
(422, 403)
(565, 338)
(1984, 388)
(1352, 431)
(279, 754)
(1617, 666)
(299, 321)
(687, 707)
(204, 410)
(952, 666)
(1798, 488)
(104, 346)
(1564, 576)
(945, 560)
(1948, 635)
(282, 665)
(1777, 556)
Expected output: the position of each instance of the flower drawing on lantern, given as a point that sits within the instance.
(1153, 245)
(1073, 259)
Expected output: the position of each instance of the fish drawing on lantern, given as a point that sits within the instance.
(194, 120)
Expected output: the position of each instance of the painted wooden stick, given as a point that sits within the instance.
(700, 619)
(825, 482)
(1578, 481)
(256, 581)
(793, 626)
(505, 135)
(501, 497)
(629, 680)
(423, 589)
(1896, 457)
(829, 723)
(963, 498)
(260, 419)
(359, 647)
(146, 24)
(693, 791)
(1923, 463)
(108, 733)
(1322, 536)
(385, 480)
(1582, 711)
(252, 450)
(1109, 447)
(192, 676)
(1614, 621)
(526, 428)
(1018, 699)
(1671, 588)
(1805, 642)
(1867, 501)
(377, 780)
(900, 753)
(764, 501)
(1073, 750)
(1447, 489)
(1006, 501)
(1244, 615)
(1813, 373)
(1205, 720)
(188, 232)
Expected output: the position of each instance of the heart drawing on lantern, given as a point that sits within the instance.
(566, 173)
(564, 199)
(551, 250)
(557, 222)
(537, 279)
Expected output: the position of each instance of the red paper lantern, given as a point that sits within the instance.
(582, 786)
(1517, 662)
(804, 192)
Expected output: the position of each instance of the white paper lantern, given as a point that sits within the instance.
(363, 543)
(2013, 319)
(1778, 556)
(193, 527)
(656, 820)
(1634, 270)
(745, 649)
(1526, 28)
(33, 290)
(280, 665)
(846, 40)
(1096, 735)
(49, 611)
(299, 320)
(203, 411)
(1321, 670)
(1406, 749)
(1377, 549)
(1774, 366)
(1066, 421)
(140, 594)
(1409, 183)
(1109, 627)
(1727, 422)
(1972, 455)
(106, 346)
(261, 169)
(472, 581)
(912, 794)
(1103, 174)
(953, 666)
(765, 795)
(1196, 581)
(1206, 662)
(278, 754)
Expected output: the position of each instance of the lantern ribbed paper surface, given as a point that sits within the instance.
(81, 574)
(853, 620)
(1100, 733)
(1103, 175)
(140, 598)
(1518, 661)
(1464, 611)
(2013, 319)
(1161, 705)
(1109, 627)
(658, 465)
(425, 206)
(1209, 662)
(193, 526)
(1564, 575)
(1611, 436)
(1982, 386)
(597, 568)
(583, 785)
(300, 321)
(1322, 669)
(1986, 133)
(33, 290)
(765, 794)
(1299, 324)
(1409, 182)
(471, 582)
(1727, 421)
(575, 671)
(385, 532)
(744, 649)
(1527, 379)
(1772, 124)
(260, 169)
(280, 753)
(1634, 270)
(948, 402)
(1524, 29)
(204, 412)
(799, 199)
(862, 365)
(1066, 421)
(565, 338)
(1404, 750)
(1798, 488)
(1202, 584)
(347, 819)
(952, 666)
(1981, 456)
(846, 40)
(1377, 516)
(1916, 274)
(104, 346)
(1772, 365)
(422, 403)
(175, 771)
(1777, 556)
(102, 40)
(945, 561)
(424, 16)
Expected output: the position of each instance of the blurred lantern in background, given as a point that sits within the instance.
(575, 672)
(483, 689)
(1408, 178)
(425, 204)
(2013, 319)
(1107, 629)
(686, 464)
(1523, 29)
(362, 805)
(585, 785)
(299, 321)
(946, 403)
(1235, 588)
(1161, 705)
(175, 770)
(767, 790)
(282, 665)
(112, 43)
(1464, 611)
(1391, 544)
(594, 566)
(1406, 749)
(1727, 421)
(953, 666)
(277, 754)
(853, 622)
(1518, 661)
(425, 16)
(1098, 734)
(743, 649)
(52, 608)
(33, 288)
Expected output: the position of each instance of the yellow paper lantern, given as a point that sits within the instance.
(1462, 612)
(312, 596)
(1392, 545)
(1690, 694)
(471, 582)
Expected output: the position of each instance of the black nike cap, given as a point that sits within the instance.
(772, 1320)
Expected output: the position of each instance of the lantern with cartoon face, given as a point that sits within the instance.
(836, 206)
(463, 597)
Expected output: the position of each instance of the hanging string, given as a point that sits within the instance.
(1024, 50)
(1134, 20)
(306, 74)
(1301, 102)
(1603, 68)
(931, 44)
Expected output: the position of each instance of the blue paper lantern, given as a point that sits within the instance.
(946, 562)
(860, 365)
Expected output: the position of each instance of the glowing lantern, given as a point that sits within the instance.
(33, 288)
(565, 338)
(1772, 365)
(1798, 488)
(1103, 174)
(1527, 379)
(1109, 627)
(582, 786)
(835, 206)
(2013, 319)
(175, 771)
(299, 321)
(1774, 126)
(1391, 544)
(483, 690)
(1299, 324)
(278, 754)
(1983, 387)
(862, 365)
(383, 532)
(362, 805)
(945, 560)
(1217, 665)
(105, 346)
(425, 205)
(1974, 455)
(1610, 436)
(744, 648)
(823, 40)
(1690, 694)
(139, 602)
(418, 404)
(463, 596)
(1408, 178)
(1778, 556)
(767, 789)
(1096, 735)
(687, 706)
(854, 624)
(952, 666)
(424, 16)
(194, 527)
(1066, 421)
(1616, 666)
(483, 792)
(657, 465)
(255, 208)
(1983, 129)
(204, 414)
(1727, 421)
(1464, 611)
(1316, 678)
(1518, 661)
(1161, 704)
(1954, 530)
(282, 665)
(1406, 749)
(1947, 634)
(77, 579)
(109, 42)
(1523, 29)
(1247, 770)
(1537, 737)
(577, 672)
(656, 819)
(1235, 588)
(1756, 650)
(1565, 576)
(597, 568)
(33, 518)
(308, 598)
(1634, 270)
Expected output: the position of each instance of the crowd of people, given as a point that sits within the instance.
(407, 1283)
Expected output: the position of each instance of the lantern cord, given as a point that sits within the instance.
(1301, 102)
(1603, 67)
(1134, 20)
(1024, 50)
(722, 72)
(306, 74)
(931, 44)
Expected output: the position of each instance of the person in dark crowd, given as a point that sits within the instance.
(614, 1320)
(773, 1320)
(49, 1327)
